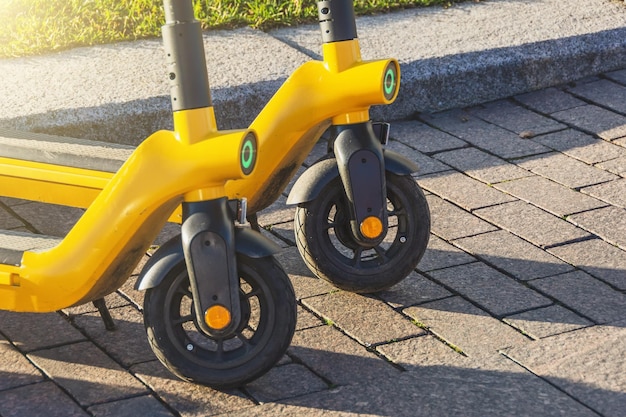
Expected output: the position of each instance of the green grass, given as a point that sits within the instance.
(38, 26)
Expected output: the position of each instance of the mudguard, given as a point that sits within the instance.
(170, 254)
(319, 175)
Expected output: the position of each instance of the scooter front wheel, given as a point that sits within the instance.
(268, 321)
(324, 237)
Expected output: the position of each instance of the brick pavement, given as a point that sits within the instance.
(517, 308)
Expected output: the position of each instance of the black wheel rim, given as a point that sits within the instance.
(339, 245)
(217, 353)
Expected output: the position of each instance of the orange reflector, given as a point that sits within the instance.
(371, 227)
(217, 317)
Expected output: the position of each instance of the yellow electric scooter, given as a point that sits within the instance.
(219, 310)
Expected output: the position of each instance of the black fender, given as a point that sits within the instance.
(247, 242)
(319, 175)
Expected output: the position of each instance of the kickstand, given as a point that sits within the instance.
(254, 222)
(109, 324)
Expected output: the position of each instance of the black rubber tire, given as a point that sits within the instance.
(325, 241)
(268, 323)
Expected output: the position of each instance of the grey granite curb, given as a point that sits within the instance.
(471, 53)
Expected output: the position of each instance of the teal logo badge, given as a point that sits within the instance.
(390, 81)
(248, 154)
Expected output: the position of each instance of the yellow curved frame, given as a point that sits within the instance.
(192, 163)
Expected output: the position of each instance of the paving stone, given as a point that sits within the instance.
(31, 331)
(609, 223)
(619, 76)
(132, 407)
(598, 258)
(281, 233)
(15, 369)
(565, 170)
(492, 290)
(549, 100)
(190, 399)
(337, 358)
(424, 138)
(278, 212)
(532, 223)
(465, 326)
(283, 382)
(305, 284)
(112, 301)
(19, 229)
(489, 137)
(515, 118)
(616, 166)
(603, 92)
(468, 393)
(366, 319)
(482, 166)
(128, 291)
(550, 196)
(440, 254)
(306, 320)
(581, 146)
(612, 192)
(509, 253)
(426, 164)
(463, 190)
(547, 321)
(127, 344)
(87, 373)
(451, 222)
(8, 221)
(420, 352)
(414, 289)
(168, 231)
(39, 400)
(13, 201)
(50, 219)
(595, 120)
(427, 354)
(320, 149)
(588, 364)
(585, 295)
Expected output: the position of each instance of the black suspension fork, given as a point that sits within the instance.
(208, 238)
(357, 147)
(359, 153)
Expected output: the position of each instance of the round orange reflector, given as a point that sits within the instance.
(217, 317)
(371, 227)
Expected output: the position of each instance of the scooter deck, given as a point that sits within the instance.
(14, 244)
(55, 169)
(64, 151)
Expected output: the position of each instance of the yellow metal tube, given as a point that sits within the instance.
(99, 253)
(340, 89)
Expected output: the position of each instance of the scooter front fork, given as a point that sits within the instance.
(208, 238)
(359, 154)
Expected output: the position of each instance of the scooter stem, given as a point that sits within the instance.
(184, 49)
(194, 117)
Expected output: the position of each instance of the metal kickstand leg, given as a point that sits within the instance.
(254, 222)
(100, 304)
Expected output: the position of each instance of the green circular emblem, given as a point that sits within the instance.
(390, 80)
(248, 154)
